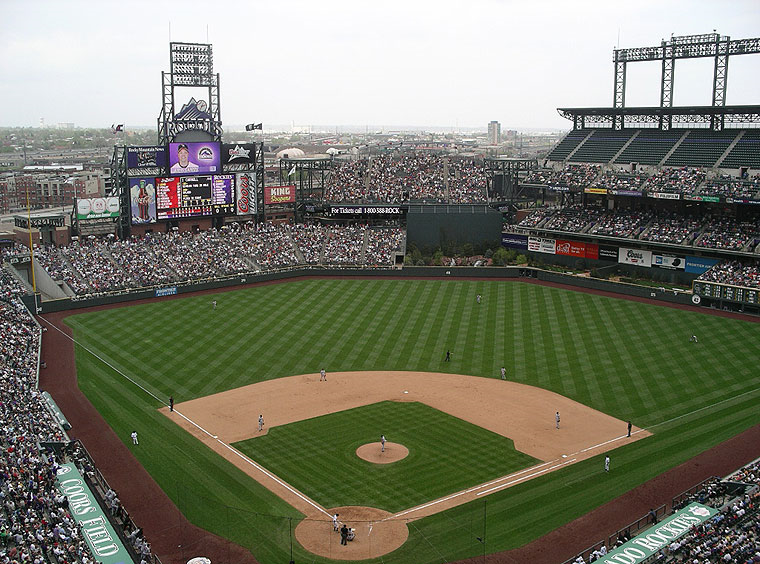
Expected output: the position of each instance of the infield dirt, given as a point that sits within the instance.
(525, 414)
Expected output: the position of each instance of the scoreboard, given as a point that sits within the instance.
(180, 197)
(726, 292)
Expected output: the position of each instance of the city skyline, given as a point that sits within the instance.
(416, 64)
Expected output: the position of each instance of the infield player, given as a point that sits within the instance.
(336, 524)
(503, 373)
(382, 443)
(556, 419)
(261, 422)
(322, 375)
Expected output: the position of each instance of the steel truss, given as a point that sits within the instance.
(191, 66)
(682, 47)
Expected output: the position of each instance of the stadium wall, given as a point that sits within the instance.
(408, 272)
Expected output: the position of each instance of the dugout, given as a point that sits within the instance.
(438, 225)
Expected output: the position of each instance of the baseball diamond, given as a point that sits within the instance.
(519, 327)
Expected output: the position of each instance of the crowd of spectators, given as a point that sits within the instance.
(36, 524)
(575, 176)
(684, 180)
(621, 180)
(734, 273)
(107, 265)
(621, 223)
(721, 232)
(731, 536)
(407, 178)
(711, 231)
(575, 218)
(727, 186)
(672, 228)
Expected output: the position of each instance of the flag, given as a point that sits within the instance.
(117, 128)
(292, 171)
(253, 126)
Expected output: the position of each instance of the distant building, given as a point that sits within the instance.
(494, 133)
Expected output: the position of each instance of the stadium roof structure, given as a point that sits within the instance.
(665, 118)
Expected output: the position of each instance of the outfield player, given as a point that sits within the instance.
(261, 422)
(556, 419)
(213, 304)
(478, 298)
(134, 438)
(448, 356)
(693, 339)
(382, 443)
(606, 463)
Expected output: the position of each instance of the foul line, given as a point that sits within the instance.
(193, 423)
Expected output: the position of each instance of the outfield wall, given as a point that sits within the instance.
(410, 272)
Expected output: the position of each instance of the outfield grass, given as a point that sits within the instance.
(630, 360)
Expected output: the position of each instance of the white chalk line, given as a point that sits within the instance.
(193, 423)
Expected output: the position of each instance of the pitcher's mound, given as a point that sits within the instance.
(372, 452)
(372, 536)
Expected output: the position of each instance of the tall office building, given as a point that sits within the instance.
(494, 133)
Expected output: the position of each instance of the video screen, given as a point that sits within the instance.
(194, 158)
(195, 196)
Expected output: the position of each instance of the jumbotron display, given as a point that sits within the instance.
(195, 196)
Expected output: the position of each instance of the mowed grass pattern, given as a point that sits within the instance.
(630, 360)
(446, 454)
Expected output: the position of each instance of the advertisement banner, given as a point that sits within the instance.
(194, 158)
(141, 157)
(741, 201)
(635, 256)
(371, 210)
(514, 241)
(245, 189)
(97, 208)
(94, 525)
(595, 190)
(142, 200)
(696, 198)
(624, 192)
(592, 251)
(169, 291)
(541, 245)
(665, 195)
(660, 536)
(279, 194)
(239, 153)
(607, 252)
(698, 265)
(571, 248)
(668, 261)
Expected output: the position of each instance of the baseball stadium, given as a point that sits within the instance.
(240, 359)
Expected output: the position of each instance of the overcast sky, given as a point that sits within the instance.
(381, 63)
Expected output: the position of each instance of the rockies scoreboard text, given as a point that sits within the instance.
(180, 197)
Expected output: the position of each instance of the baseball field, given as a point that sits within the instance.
(482, 456)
